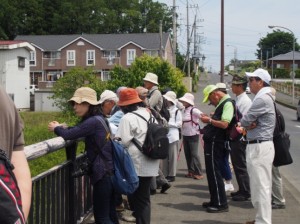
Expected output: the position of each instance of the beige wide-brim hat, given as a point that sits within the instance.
(171, 96)
(85, 94)
(108, 95)
(151, 77)
(188, 98)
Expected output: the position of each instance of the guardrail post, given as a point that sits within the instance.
(71, 156)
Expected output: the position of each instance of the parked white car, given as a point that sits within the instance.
(32, 89)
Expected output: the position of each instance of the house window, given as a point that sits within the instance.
(105, 76)
(130, 56)
(90, 57)
(71, 58)
(32, 59)
(52, 54)
(152, 53)
(21, 62)
(112, 54)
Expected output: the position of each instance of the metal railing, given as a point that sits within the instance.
(57, 197)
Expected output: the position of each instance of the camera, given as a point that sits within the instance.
(84, 168)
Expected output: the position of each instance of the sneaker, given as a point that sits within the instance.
(229, 187)
(170, 178)
(189, 174)
(277, 206)
(152, 192)
(165, 187)
(232, 194)
(198, 177)
(240, 197)
(128, 218)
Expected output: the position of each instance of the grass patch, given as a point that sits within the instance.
(36, 130)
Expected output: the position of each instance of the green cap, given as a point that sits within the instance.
(207, 90)
(239, 79)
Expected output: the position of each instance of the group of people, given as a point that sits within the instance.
(251, 153)
(116, 109)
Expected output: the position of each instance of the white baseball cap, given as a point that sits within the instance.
(108, 95)
(260, 73)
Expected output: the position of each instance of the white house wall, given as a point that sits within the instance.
(14, 79)
(42, 102)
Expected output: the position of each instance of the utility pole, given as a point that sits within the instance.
(174, 33)
(222, 42)
(195, 46)
(188, 38)
(160, 37)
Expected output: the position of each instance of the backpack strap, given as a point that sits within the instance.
(191, 114)
(151, 120)
(279, 124)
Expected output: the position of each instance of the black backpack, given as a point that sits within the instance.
(164, 112)
(156, 145)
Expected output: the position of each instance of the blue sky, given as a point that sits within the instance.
(245, 22)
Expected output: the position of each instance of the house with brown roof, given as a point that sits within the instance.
(56, 54)
(285, 61)
(14, 71)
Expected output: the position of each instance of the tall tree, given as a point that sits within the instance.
(38, 17)
(281, 42)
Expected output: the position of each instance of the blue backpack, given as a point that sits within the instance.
(125, 179)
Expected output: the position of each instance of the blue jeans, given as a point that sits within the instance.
(224, 166)
(104, 202)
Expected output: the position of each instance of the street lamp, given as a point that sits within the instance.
(235, 54)
(293, 69)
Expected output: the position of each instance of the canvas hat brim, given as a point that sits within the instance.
(170, 99)
(184, 99)
(149, 80)
(80, 100)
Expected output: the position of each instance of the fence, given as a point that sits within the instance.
(57, 197)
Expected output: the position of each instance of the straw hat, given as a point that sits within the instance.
(189, 98)
(171, 96)
(108, 95)
(151, 77)
(128, 96)
(85, 94)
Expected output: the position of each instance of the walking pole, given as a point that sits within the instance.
(180, 150)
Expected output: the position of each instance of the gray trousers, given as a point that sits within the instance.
(158, 181)
(192, 155)
(238, 159)
(169, 166)
(277, 189)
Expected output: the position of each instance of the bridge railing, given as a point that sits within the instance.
(57, 197)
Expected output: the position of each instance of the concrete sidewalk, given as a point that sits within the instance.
(182, 203)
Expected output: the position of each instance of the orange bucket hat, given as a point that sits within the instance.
(128, 96)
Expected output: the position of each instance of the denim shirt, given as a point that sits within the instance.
(95, 136)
